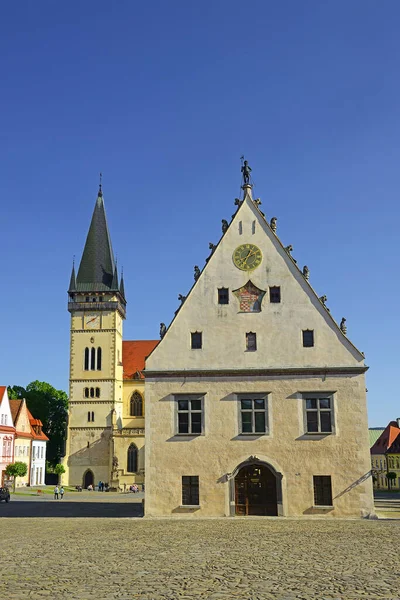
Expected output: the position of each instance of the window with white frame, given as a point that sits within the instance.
(253, 413)
(318, 413)
(190, 414)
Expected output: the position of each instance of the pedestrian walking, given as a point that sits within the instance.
(56, 492)
(61, 492)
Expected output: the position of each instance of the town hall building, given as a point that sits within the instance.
(255, 400)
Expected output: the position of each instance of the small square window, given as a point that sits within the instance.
(275, 294)
(308, 338)
(251, 342)
(197, 341)
(190, 490)
(322, 490)
(223, 296)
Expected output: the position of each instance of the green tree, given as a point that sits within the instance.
(391, 476)
(51, 407)
(59, 470)
(17, 469)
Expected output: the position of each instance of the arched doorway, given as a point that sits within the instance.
(88, 479)
(256, 491)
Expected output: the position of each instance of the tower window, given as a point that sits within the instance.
(223, 296)
(132, 459)
(86, 392)
(90, 416)
(97, 392)
(251, 341)
(86, 359)
(308, 338)
(99, 359)
(136, 405)
(92, 359)
(196, 341)
(275, 294)
(92, 392)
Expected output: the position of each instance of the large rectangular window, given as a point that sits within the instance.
(190, 490)
(253, 414)
(319, 413)
(190, 415)
(322, 490)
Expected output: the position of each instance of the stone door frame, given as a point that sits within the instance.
(254, 460)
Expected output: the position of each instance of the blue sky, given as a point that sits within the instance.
(164, 98)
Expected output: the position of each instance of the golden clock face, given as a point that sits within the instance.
(247, 257)
(92, 321)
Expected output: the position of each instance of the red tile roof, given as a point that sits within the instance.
(134, 354)
(386, 439)
(2, 390)
(38, 423)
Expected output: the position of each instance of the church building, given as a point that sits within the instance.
(105, 438)
(252, 403)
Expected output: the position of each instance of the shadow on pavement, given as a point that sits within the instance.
(67, 509)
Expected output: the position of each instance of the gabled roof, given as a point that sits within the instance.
(134, 354)
(290, 262)
(386, 439)
(2, 390)
(37, 422)
(97, 267)
(374, 433)
(15, 407)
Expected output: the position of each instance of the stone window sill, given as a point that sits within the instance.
(323, 507)
(190, 506)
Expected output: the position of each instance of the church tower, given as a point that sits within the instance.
(97, 304)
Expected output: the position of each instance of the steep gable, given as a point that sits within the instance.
(386, 439)
(6, 422)
(20, 414)
(278, 325)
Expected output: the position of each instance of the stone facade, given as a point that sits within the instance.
(237, 344)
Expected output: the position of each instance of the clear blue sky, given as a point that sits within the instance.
(164, 98)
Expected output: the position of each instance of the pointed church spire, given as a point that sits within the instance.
(97, 267)
(121, 284)
(114, 284)
(72, 281)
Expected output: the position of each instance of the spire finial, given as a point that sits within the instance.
(100, 194)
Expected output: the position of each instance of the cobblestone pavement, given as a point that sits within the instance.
(153, 559)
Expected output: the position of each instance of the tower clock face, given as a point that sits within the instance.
(92, 321)
(247, 257)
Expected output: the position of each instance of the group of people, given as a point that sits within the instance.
(133, 488)
(102, 487)
(58, 492)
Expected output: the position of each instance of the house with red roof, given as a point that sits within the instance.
(7, 434)
(37, 467)
(379, 458)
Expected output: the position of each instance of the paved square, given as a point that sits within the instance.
(247, 558)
